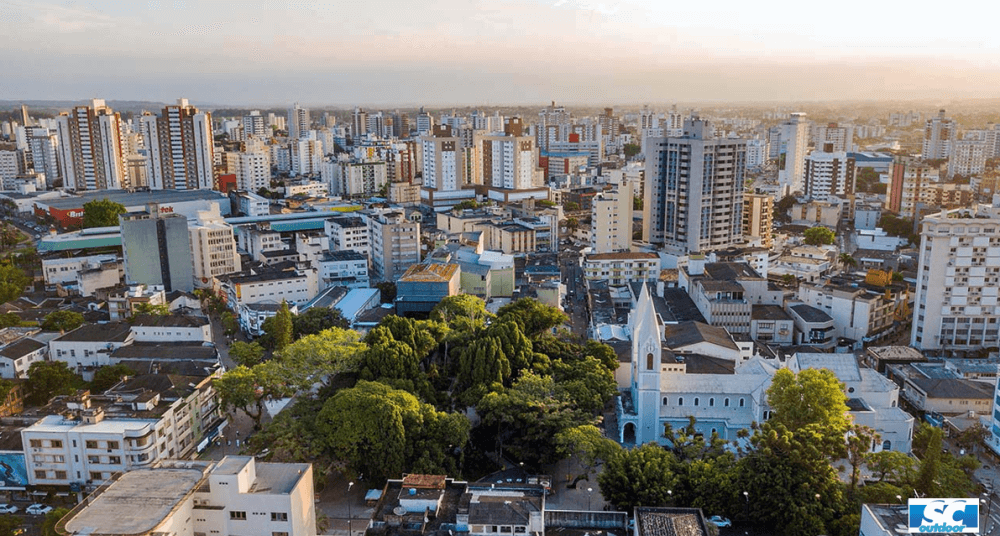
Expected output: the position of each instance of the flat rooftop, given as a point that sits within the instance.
(130, 505)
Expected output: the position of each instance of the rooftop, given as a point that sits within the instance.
(768, 312)
(21, 348)
(166, 350)
(135, 199)
(678, 336)
(130, 505)
(622, 256)
(670, 522)
(170, 321)
(811, 314)
(896, 353)
(954, 388)
(109, 332)
(429, 273)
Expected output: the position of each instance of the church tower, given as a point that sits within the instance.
(646, 367)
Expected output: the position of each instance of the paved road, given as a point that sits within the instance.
(572, 277)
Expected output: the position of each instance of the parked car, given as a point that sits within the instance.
(720, 521)
(38, 509)
(8, 509)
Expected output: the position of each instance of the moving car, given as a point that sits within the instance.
(8, 509)
(720, 521)
(38, 509)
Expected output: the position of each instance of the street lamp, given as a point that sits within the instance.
(670, 496)
(746, 496)
(589, 492)
(899, 498)
(350, 518)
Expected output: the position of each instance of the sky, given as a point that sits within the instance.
(495, 52)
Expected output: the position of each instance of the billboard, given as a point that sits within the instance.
(13, 474)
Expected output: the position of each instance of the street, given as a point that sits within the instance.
(576, 299)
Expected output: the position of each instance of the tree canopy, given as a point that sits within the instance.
(107, 376)
(47, 379)
(819, 236)
(247, 354)
(102, 213)
(318, 319)
(12, 282)
(62, 321)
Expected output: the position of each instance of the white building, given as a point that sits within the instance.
(828, 174)
(306, 156)
(346, 268)
(293, 286)
(840, 136)
(91, 148)
(298, 122)
(958, 280)
(939, 134)
(171, 328)
(622, 268)
(58, 270)
(181, 148)
(611, 219)
(213, 247)
(968, 157)
(253, 125)
(858, 314)
(350, 178)
(348, 233)
(444, 169)
(308, 189)
(793, 144)
(89, 346)
(17, 357)
(756, 153)
(252, 169)
(250, 204)
(395, 244)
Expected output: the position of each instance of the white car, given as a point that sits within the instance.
(8, 509)
(38, 509)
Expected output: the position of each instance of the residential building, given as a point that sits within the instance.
(813, 327)
(85, 439)
(828, 174)
(424, 285)
(348, 233)
(860, 313)
(883, 519)
(253, 125)
(92, 148)
(444, 171)
(296, 286)
(247, 203)
(756, 153)
(298, 122)
(395, 244)
(181, 148)
(62, 270)
(968, 157)
(770, 324)
(725, 292)
(253, 315)
(939, 134)
(213, 248)
(911, 186)
(306, 188)
(510, 237)
(351, 178)
(171, 328)
(306, 156)
(10, 167)
(344, 268)
(157, 249)
(957, 280)
(234, 495)
(256, 240)
(622, 268)
(758, 220)
(17, 355)
(252, 169)
(934, 388)
(694, 191)
(611, 219)
(123, 303)
(89, 347)
(792, 147)
(43, 145)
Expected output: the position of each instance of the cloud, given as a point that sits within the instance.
(65, 19)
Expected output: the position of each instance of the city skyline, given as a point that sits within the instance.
(498, 53)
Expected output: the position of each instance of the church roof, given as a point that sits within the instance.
(689, 333)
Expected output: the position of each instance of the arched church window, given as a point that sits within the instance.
(649, 361)
(664, 401)
(726, 403)
(680, 401)
(711, 402)
(696, 401)
(741, 402)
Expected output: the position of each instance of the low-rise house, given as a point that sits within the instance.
(17, 357)
(813, 327)
(89, 346)
(931, 387)
(171, 328)
(770, 324)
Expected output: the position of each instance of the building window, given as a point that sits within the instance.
(238, 516)
(680, 401)
(60, 475)
(56, 444)
(696, 401)
(40, 474)
(711, 402)
(726, 403)
(664, 401)
(649, 361)
(115, 460)
(91, 444)
(279, 534)
(36, 443)
(741, 403)
(279, 516)
(93, 459)
(96, 475)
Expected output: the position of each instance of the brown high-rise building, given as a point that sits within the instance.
(92, 148)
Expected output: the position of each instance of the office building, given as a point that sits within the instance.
(958, 280)
(181, 148)
(298, 122)
(828, 174)
(758, 219)
(92, 148)
(939, 134)
(694, 190)
(157, 249)
(793, 144)
(611, 219)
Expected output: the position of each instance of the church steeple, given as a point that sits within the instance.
(646, 355)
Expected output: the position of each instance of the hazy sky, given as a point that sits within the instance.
(495, 51)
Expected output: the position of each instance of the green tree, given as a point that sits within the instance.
(636, 203)
(587, 381)
(229, 323)
(859, 442)
(847, 260)
(642, 476)
(102, 213)
(47, 379)
(62, 321)
(387, 291)
(107, 376)
(282, 327)
(246, 354)
(146, 308)
(12, 282)
(819, 236)
(318, 319)
(588, 444)
(973, 436)
(315, 358)
(9, 525)
(393, 362)
(381, 431)
(571, 206)
(248, 388)
(891, 466)
(9, 320)
(463, 311)
(632, 149)
(782, 207)
(533, 316)
(51, 519)
(810, 402)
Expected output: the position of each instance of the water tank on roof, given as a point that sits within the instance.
(413, 491)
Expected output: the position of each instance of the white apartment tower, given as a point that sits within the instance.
(939, 134)
(510, 160)
(694, 190)
(841, 136)
(252, 169)
(298, 122)
(828, 174)
(306, 156)
(213, 247)
(253, 125)
(968, 157)
(958, 281)
(792, 147)
(181, 148)
(92, 148)
(44, 146)
(611, 217)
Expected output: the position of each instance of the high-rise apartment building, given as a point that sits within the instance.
(359, 123)
(213, 247)
(253, 125)
(968, 157)
(840, 136)
(758, 219)
(298, 122)
(157, 249)
(553, 125)
(43, 146)
(425, 122)
(694, 190)
(828, 174)
(395, 243)
(91, 148)
(912, 186)
(444, 169)
(306, 156)
(958, 281)
(509, 161)
(252, 169)
(400, 124)
(939, 134)
(793, 144)
(611, 219)
(182, 149)
(756, 153)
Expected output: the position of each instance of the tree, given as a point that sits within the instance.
(631, 149)
(102, 213)
(9, 525)
(314, 358)
(392, 362)
(636, 203)
(789, 279)
(533, 316)
(246, 354)
(818, 236)
(47, 379)
(229, 323)
(973, 436)
(9, 320)
(318, 319)
(847, 260)
(107, 376)
(859, 443)
(50, 521)
(282, 327)
(381, 431)
(810, 402)
(782, 207)
(588, 444)
(146, 308)
(249, 389)
(890, 465)
(12, 282)
(571, 206)
(463, 311)
(387, 291)
(639, 477)
(62, 321)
